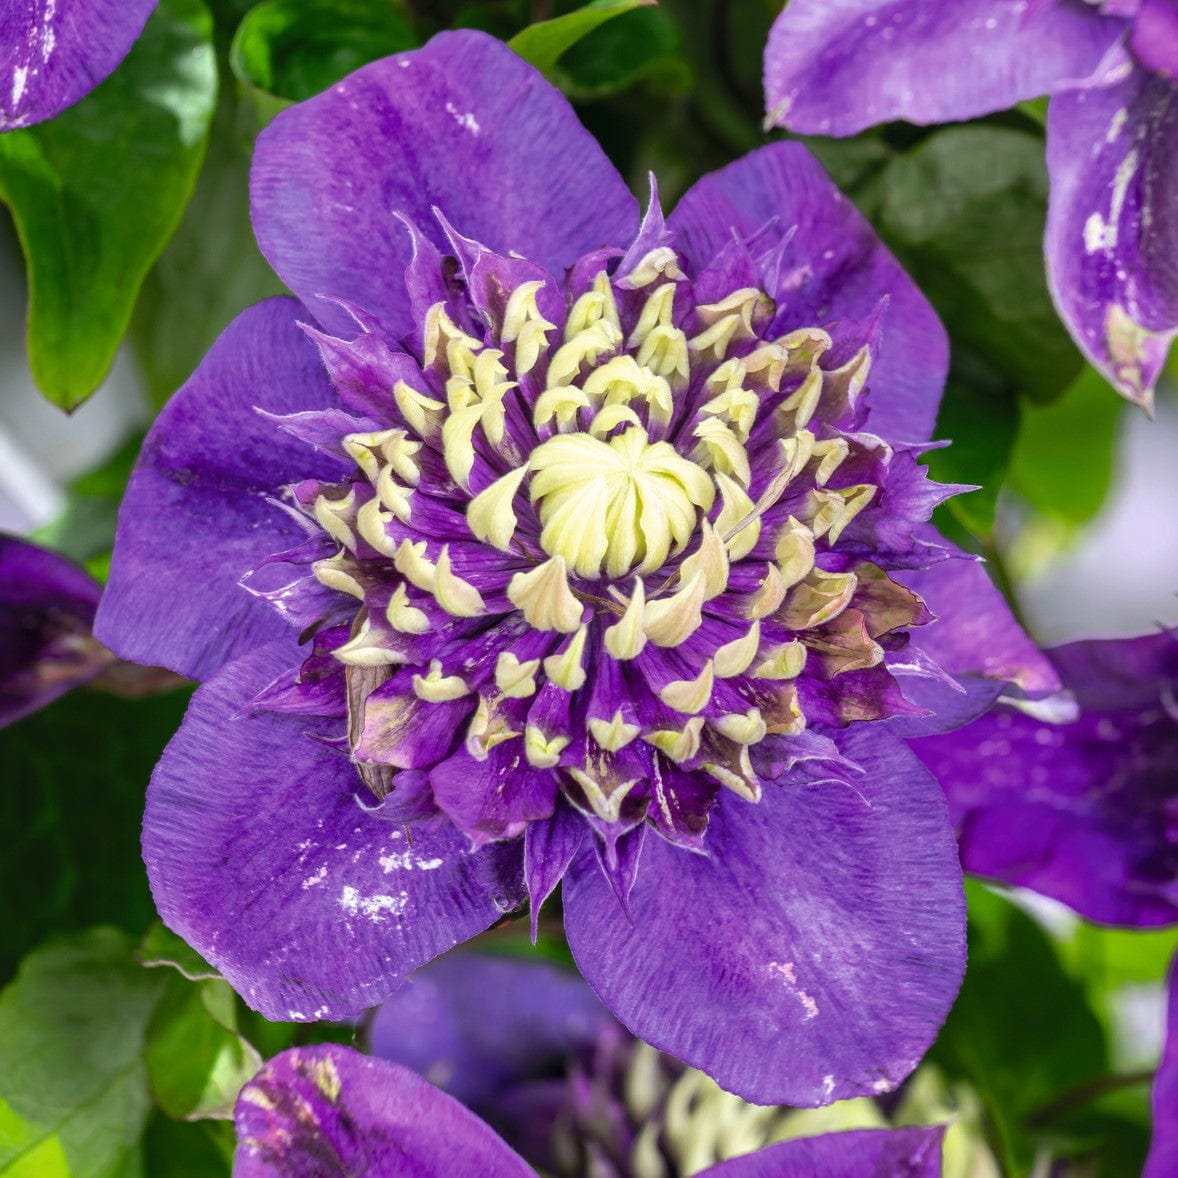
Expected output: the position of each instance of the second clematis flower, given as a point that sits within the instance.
(538, 543)
(835, 67)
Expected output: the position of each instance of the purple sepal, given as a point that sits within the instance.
(462, 124)
(46, 608)
(197, 516)
(330, 1110)
(549, 848)
(863, 1153)
(1112, 224)
(1086, 811)
(54, 52)
(476, 1025)
(1162, 1161)
(833, 268)
(834, 67)
(857, 909)
(260, 855)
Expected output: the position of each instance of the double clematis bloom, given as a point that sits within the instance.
(54, 52)
(1111, 68)
(528, 1049)
(538, 543)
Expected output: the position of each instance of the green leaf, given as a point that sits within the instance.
(188, 1149)
(69, 824)
(1021, 1032)
(965, 211)
(1058, 443)
(979, 416)
(196, 1060)
(97, 192)
(73, 1084)
(162, 947)
(645, 47)
(212, 268)
(543, 44)
(296, 48)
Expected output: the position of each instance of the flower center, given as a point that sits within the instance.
(616, 504)
(599, 537)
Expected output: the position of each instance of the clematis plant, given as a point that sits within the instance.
(1111, 68)
(54, 52)
(527, 1047)
(536, 543)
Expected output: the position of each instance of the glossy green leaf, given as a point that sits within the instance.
(543, 44)
(296, 48)
(70, 819)
(212, 268)
(73, 1084)
(1062, 463)
(97, 192)
(965, 211)
(1021, 1032)
(196, 1060)
(644, 48)
(979, 417)
(188, 1149)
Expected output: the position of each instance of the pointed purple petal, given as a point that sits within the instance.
(196, 515)
(54, 52)
(864, 1153)
(811, 956)
(463, 124)
(1084, 812)
(549, 848)
(330, 1110)
(1112, 224)
(834, 67)
(260, 855)
(46, 608)
(834, 268)
(474, 1024)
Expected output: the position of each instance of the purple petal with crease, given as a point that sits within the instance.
(46, 608)
(260, 855)
(463, 124)
(815, 952)
(1085, 812)
(977, 640)
(834, 67)
(196, 518)
(1112, 224)
(476, 1024)
(864, 1153)
(329, 1110)
(54, 52)
(833, 268)
(1163, 1149)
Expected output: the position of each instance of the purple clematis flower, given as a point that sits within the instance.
(526, 1047)
(834, 67)
(1086, 811)
(54, 52)
(573, 548)
(47, 606)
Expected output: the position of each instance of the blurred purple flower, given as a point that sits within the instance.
(834, 67)
(47, 606)
(602, 545)
(1084, 811)
(54, 52)
(525, 1046)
